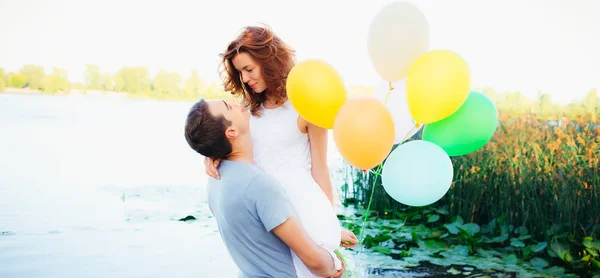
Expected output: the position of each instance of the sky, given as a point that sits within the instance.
(548, 46)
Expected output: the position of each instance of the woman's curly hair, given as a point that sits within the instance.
(275, 57)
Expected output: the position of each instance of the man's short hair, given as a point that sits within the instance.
(205, 133)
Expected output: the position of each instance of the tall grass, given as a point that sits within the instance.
(544, 175)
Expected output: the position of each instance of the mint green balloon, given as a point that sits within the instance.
(466, 130)
(417, 173)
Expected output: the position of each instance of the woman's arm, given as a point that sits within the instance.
(318, 156)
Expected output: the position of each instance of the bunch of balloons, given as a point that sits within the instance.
(421, 88)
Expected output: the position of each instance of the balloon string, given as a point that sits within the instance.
(377, 174)
(389, 92)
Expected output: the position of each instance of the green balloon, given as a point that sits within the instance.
(466, 130)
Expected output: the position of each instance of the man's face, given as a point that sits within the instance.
(233, 112)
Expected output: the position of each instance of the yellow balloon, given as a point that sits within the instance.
(437, 85)
(364, 132)
(316, 91)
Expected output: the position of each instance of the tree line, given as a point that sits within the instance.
(135, 81)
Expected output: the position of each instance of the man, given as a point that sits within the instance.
(255, 219)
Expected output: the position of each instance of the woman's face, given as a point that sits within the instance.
(250, 71)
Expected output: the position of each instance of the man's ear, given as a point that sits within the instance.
(231, 132)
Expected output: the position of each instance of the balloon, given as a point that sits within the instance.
(417, 173)
(396, 103)
(398, 35)
(363, 132)
(468, 129)
(316, 91)
(438, 83)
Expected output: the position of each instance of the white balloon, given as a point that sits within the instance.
(404, 124)
(398, 35)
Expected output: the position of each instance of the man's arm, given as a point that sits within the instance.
(317, 259)
(267, 198)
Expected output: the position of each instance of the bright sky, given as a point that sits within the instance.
(527, 45)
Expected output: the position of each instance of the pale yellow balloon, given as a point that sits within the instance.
(397, 36)
(316, 90)
(437, 85)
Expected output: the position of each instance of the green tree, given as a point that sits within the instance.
(35, 75)
(92, 77)
(166, 83)
(215, 91)
(106, 83)
(194, 86)
(134, 80)
(56, 81)
(17, 80)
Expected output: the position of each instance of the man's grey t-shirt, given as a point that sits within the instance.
(248, 204)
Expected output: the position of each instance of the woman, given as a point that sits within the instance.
(256, 65)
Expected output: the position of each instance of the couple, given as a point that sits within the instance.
(272, 194)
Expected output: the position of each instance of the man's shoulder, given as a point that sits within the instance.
(244, 173)
(238, 169)
(264, 180)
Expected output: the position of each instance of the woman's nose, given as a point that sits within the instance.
(245, 77)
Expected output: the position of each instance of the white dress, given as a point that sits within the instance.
(282, 151)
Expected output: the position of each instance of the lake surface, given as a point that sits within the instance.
(94, 186)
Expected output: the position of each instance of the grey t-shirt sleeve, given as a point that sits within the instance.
(269, 203)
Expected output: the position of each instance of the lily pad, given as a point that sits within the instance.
(433, 218)
(539, 263)
(452, 228)
(517, 243)
(382, 249)
(555, 270)
(498, 239)
(510, 259)
(470, 228)
(441, 211)
(434, 244)
(588, 243)
(539, 247)
(454, 271)
(522, 230)
(525, 237)
(457, 251)
(561, 249)
(440, 261)
(488, 253)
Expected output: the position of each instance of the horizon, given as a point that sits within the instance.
(536, 46)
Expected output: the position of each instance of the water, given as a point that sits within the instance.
(94, 186)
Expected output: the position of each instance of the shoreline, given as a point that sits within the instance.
(92, 93)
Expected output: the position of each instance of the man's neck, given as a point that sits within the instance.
(242, 150)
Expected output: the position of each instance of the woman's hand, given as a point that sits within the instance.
(210, 167)
(349, 239)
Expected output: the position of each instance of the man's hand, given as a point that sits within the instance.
(341, 271)
(210, 167)
(349, 239)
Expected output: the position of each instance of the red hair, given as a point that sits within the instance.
(276, 60)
